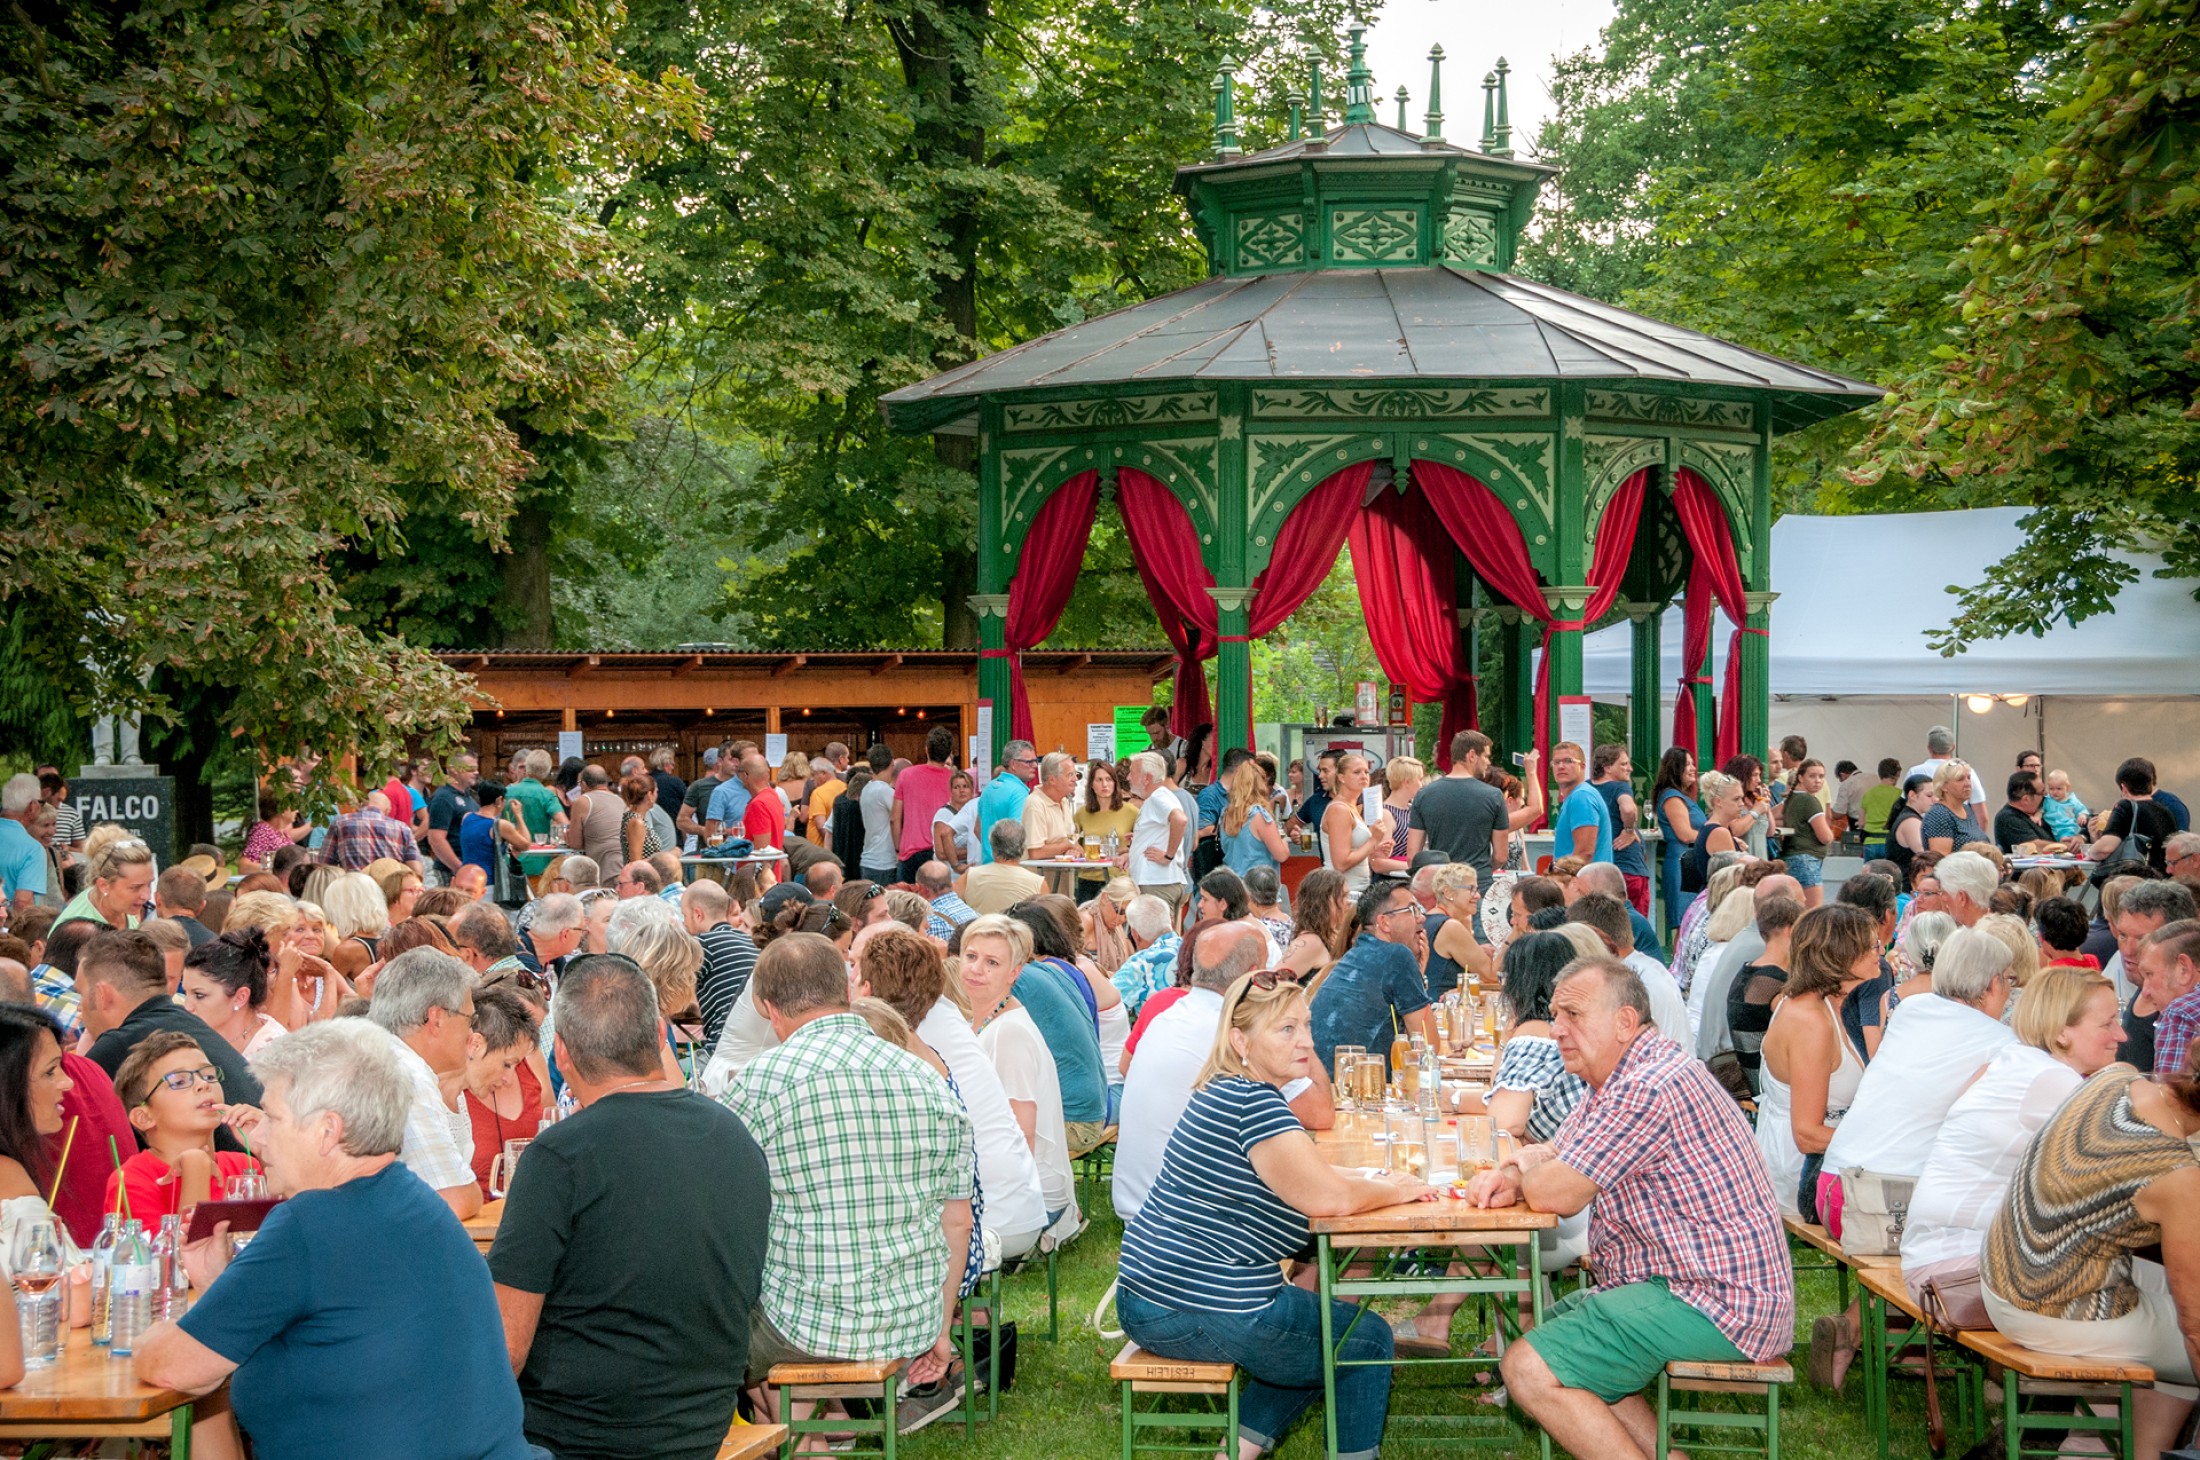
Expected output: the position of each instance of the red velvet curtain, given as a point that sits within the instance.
(1711, 543)
(1402, 556)
(1696, 612)
(1487, 533)
(1046, 572)
(1165, 546)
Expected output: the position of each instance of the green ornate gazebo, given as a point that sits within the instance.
(1361, 366)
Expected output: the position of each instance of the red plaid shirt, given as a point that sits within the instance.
(359, 837)
(1682, 1195)
(2174, 1033)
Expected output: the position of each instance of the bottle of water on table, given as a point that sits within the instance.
(130, 1301)
(103, 1257)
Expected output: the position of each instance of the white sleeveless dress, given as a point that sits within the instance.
(1775, 1128)
(1355, 878)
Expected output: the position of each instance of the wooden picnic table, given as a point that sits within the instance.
(1506, 1239)
(89, 1394)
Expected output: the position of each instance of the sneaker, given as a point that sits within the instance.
(920, 1406)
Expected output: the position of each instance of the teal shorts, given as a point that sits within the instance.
(1616, 1341)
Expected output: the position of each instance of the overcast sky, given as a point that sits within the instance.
(1474, 33)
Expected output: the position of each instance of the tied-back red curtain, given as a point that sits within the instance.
(1489, 536)
(1402, 556)
(1046, 572)
(1711, 544)
(1696, 614)
(1165, 546)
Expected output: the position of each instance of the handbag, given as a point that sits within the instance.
(1873, 1208)
(1953, 1303)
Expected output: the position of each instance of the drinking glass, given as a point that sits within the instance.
(1408, 1142)
(247, 1186)
(1443, 1157)
(502, 1165)
(1477, 1145)
(39, 1266)
(1371, 1082)
(1347, 1066)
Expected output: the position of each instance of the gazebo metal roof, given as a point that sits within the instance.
(1389, 325)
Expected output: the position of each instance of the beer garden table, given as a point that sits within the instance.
(1389, 1238)
(89, 1395)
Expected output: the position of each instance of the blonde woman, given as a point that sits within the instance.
(358, 916)
(1689, 942)
(118, 871)
(1723, 804)
(1201, 1276)
(995, 949)
(401, 886)
(1348, 842)
(1735, 910)
(1948, 826)
(303, 986)
(1105, 933)
(2015, 934)
(1404, 777)
(649, 931)
(1454, 957)
(1250, 836)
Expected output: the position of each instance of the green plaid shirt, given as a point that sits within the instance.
(865, 1143)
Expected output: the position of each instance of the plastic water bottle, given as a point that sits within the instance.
(135, 1276)
(170, 1296)
(103, 1256)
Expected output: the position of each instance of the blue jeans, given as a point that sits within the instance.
(1279, 1351)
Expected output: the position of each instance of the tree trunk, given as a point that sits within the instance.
(523, 614)
(938, 47)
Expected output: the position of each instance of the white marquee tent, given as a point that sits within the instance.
(1853, 674)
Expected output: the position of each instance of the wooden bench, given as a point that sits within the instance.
(1140, 1373)
(878, 1379)
(751, 1442)
(1887, 1350)
(1689, 1376)
(2029, 1374)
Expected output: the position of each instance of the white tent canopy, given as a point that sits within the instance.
(1858, 595)
(1853, 674)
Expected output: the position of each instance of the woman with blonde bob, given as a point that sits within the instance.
(358, 916)
(118, 880)
(2067, 1028)
(1200, 1276)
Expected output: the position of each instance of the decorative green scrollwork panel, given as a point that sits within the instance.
(1416, 403)
(1730, 467)
(1655, 408)
(1611, 460)
(1111, 410)
(1270, 240)
(1281, 469)
(1471, 236)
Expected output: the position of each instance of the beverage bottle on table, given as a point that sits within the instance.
(40, 1268)
(130, 1301)
(103, 1256)
(169, 1293)
(1429, 1081)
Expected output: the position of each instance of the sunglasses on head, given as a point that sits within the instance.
(1267, 979)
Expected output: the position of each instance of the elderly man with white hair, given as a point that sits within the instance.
(425, 999)
(1967, 883)
(22, 856)
(301, 1321)
(1151, 966)
(554, 933)
(1157, 859)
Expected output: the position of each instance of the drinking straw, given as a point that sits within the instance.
(68, 1142)
(121, 1186)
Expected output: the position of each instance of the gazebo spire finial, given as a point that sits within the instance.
(1503, 135)
(1433, 128)
(1317, 118)
(1402, 99)
(1226, 141)
(1296, 100)
(1489, 113)
(1359, 82)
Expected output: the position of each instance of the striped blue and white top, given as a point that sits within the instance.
(1210, 1233)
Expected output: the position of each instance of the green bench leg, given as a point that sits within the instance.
(1766, 1425)
(884, 1425)
(1192, 1422)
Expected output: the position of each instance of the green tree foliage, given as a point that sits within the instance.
(1319, 656)
(278, 269)
(889, 190)
(2073, 381)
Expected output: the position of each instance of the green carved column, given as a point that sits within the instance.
(1230, 559)
(1565, 603)
(1645, 698)
(995, 568)
(1567, 568)
(1518, 636)
(1757, 675)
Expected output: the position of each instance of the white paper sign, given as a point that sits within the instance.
(1574, 724)
(775, 749)
(981, 754)
(1100, 740)
(569, 746)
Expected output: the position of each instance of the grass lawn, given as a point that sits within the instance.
(1064, 1406)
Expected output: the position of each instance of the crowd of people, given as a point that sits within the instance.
(1966, 1034)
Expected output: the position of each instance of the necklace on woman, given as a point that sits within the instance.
(992, 1013)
